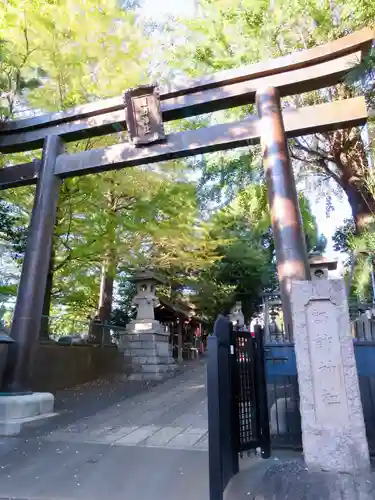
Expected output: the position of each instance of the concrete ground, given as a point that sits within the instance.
(127, 441)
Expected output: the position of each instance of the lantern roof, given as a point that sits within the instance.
(146, 275)
(319, 261)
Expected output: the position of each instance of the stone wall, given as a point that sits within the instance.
(60, 367)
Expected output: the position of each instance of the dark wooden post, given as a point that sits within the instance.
(29, 305)
(290, 244)
(180, 327)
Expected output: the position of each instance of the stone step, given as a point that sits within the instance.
(19, 410)
(153, 360)
(27, 405)
(158, 368)
(13, 427)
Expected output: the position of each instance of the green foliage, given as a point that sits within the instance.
(145, 219)
(361, 251)
(231, 33)
(13, 79)
(320, 244)
(343, 237)
(244, 266)
(213, 237)
(364, 73)
(115, 219)
(7, 221)
(226, 34)
(124, 310)
(12, 231)
(77, 61)
(7, 291)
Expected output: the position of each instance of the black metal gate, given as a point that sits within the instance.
(237, 401)
(250, 392)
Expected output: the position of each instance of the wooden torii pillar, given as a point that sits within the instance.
(287, 229)
(29, 305)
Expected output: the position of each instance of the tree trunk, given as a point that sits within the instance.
(98, 332)
(362, 205)
(106, 291)
(346, 150)
(349, 153)
(108, 271)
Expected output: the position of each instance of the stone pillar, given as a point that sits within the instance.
(333, 429)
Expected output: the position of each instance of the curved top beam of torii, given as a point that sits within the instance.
(296, 73)
(360, 40)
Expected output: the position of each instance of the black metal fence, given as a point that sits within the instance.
(250, 392)
(245, 391)
(237, 401)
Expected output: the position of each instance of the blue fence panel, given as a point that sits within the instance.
(281, 360)
(365, 358)
(283, 396)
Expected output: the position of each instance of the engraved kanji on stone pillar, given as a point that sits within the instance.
(333, 429)
(143, 116)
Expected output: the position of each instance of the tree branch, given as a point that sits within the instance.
(330, 173)
(310, 151)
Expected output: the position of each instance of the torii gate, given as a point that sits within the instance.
(146, 110)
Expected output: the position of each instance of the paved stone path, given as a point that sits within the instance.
(143, 444)
(172, 415)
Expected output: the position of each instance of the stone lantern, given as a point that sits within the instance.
(320, 266)
(236, 316)
(145, 300)
(145, 339)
